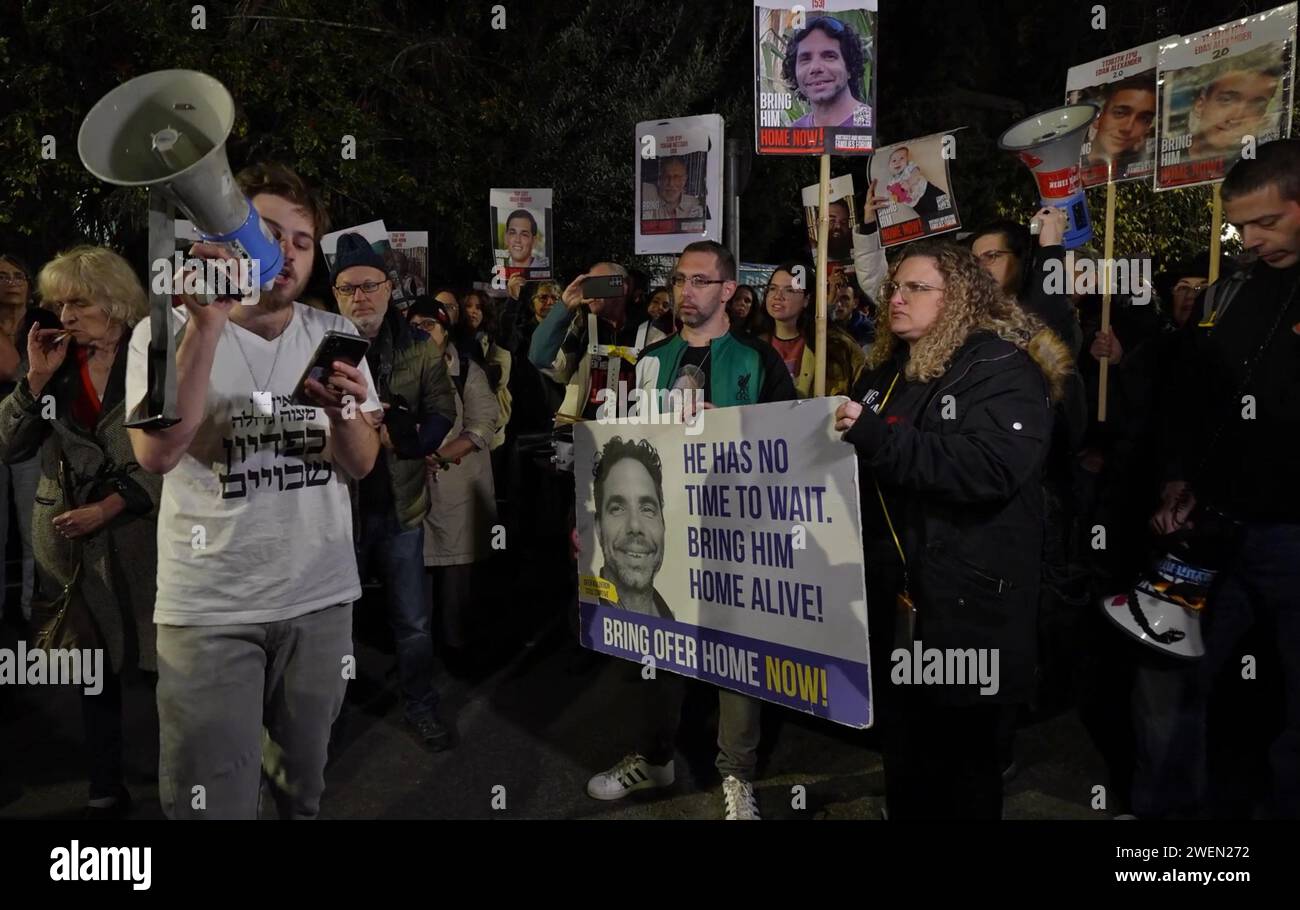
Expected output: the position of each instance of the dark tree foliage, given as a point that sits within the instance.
(443, 106)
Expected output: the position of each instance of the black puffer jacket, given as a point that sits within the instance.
(959, 461)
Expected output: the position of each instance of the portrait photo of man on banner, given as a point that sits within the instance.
(913, 190)
(1121, 143)
(728, 548)
(815, 78)
(522, 239)
(841, 217)
(1222, 93)
(679, 182)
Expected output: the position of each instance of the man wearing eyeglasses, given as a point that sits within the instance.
(667, 198)
(731, 369)
(389, 503)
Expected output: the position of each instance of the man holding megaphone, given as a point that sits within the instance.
(256, 572)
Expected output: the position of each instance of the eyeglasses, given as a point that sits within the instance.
(348, 290)
(909, 289)
(15, 278)
(695, 281)
(425, 324)
(551, 297)
(988, 257)
(781, 290)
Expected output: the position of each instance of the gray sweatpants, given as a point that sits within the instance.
(239, 701)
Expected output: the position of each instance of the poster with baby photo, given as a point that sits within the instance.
(911, 189)
(1121, 143)
(841, 218)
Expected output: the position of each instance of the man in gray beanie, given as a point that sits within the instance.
(389, 504)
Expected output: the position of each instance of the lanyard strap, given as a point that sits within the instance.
(884, 508)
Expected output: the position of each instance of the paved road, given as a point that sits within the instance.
(537, 726)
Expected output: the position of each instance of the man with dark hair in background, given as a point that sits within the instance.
(731, 370)
(1235, 103)
(1231, 476)
(521, 234)
(1127, 112)
(824, 65)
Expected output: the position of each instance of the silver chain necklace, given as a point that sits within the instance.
(265, 386)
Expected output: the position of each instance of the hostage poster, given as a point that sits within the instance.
(756, 583)
(523, 242)
(1121, 143)
(913, 189)
(1223, 92)
(815, 77)
(679, 183)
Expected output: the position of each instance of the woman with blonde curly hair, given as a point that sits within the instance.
(94, 524)
(951, 420)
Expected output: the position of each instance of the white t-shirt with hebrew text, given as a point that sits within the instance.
(255, 522)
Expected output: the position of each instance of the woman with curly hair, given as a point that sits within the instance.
(951, 421)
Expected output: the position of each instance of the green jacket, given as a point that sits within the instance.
(404, 361)
(741, 370)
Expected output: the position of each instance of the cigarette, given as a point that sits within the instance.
(60, 337)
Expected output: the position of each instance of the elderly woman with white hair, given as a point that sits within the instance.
(94, 523)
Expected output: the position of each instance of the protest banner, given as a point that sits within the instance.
(679, 183)
(815, 78)
(913, 176)
(756, 584)
(523, 242)
(1221, 93)
(1121, 143)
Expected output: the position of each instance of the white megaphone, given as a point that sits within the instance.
(1050, 144)
(167, 131)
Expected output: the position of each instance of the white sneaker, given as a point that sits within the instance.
(632, 773)
(739, 797)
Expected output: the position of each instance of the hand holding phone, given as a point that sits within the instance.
(333, 372)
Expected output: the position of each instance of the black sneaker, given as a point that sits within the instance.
(432, 732)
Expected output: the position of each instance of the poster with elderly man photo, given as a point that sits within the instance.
(679, 183)
(1221, 94)
(815, 77)
(1121, 143)
(522, 240)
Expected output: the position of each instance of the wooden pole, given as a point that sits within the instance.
(823, 229)
(1108, 257)
(1216, 229)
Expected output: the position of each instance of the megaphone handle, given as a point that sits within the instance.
(160, 403)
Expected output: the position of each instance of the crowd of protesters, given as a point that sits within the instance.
(980, 531)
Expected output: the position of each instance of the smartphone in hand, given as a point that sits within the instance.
(344, 346)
